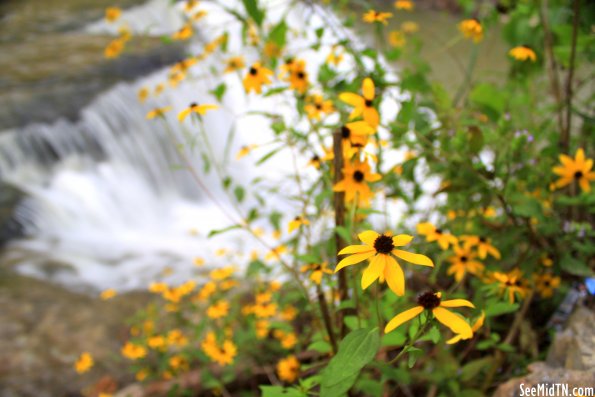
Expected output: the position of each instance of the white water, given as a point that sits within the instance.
(111, 207)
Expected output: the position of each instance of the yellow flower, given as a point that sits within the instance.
(288, 314)
(471, 29)
(547, 260)
(523, 53)
(316, 106)
(577, 169)
(462, 262)
(142, 374)
(159, 88)
(125, 33)
(199, 15)
(198, 261)
(317, 270)
(288, 340)
(244, 151)
(156, 342)
(298, 76)
(133, 352)
(84, 363)
(265, 310)
(378, 249)
(112, 14)
(406, 5)
(158, 112)
(363, 105)
(175, 337)
(355, 182)
(157, 288)
(256, 77)
(178, 363)
(190, 4)
(114, 48)
(334, 57)
(484, 247)
(432, 302)
(275, 253)
(288, 369)
(375, 16)
(218, 309)
(546, 283)
(409, 27)
(511, 284)
(224, 354)
(296, 223)
(477, 325)
(432, 233)
(196, 108)
(397, 39)
(222, 274)
(262, 329)
(234, 63)
(143, 94)
(108, 294)
(184, 33)
(355, 134)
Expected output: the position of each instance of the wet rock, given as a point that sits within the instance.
(9, 199)
(43, 330)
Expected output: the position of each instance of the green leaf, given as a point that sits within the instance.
(499, 308)
(574, 266)
(240, 193)
(278, 34)
(268, 156)
(219, 231)
(473, 368)
(344, 233)
(280, 391)
(320, 346)
(253, 11)
(490, 98)
(219, 91)
(356, 350)
(413, 353)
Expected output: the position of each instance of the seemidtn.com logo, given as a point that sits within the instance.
(555, 390)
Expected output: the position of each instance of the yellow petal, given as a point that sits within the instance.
(401, 240)
(454, 339)
(456, 303)
(395, 278)
(373, 177)
(402, 318)
(368, 237)
(453, 321)
(368, 88)
(353, 259)
(580, 157)
(584, 184)
(374, 270)
(355, 249)
(418, 259)
(425, 228)
(352, 99)
(372, 117)
(183, 114)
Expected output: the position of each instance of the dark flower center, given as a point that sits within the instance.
(315, 158)
(464, 259)
(578, 174)
(301, 75)
(193, 105)
(297, 218)
(316, 267)
(318, 106)
(546, 283)
(438, 231)
(482, 240)
(253, 71)
(428, 300)
(358, 176)
(345, 132)
(368, 103)
(384, 244)
(514, 283)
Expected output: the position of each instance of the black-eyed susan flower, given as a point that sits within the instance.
(156, 342)
(546, 283)
(577, 169)
(244, 151)
(298, 76)
(112, 14)
(316, 106)
(142, 94)
(288, 369)
(405, 5)
(84, 363)
(379, 250)
(483, 244)
(363, 105)
(355, 180)
(471, 29)
(476, 325)
(296, 223)
(432, 302)
(158, 112)
(511, 284)
(221, 354)
(218, 309)
(397, 39)
(108, 294)
(234, 63)
(433, 233)
(124, 33)
(133, 352)
(317, 270)
(288, 339)
(523, 53)
(201, 110)
(463, 261)
(184, 33)
(114, 48)
(355, 134)
(256, 77)
(334, 57)
(373, 16)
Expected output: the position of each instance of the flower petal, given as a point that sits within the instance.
(368, 237)
(453, 321)
(395, 277)
(355, 249)
(418, 259)
(368, 88)
(374, 270)
(353, 259)
(352, 99)
(402, 318)
(402, 239)
(456, 303)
